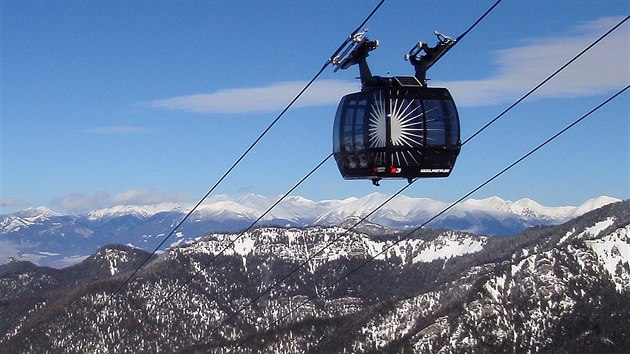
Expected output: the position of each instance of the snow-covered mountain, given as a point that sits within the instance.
(143, 211)
(322, 289)
(402, 210)
(531, 209)
(48, 238)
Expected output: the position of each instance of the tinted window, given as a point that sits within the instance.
(336, 127)
(435, 122)
(442, 125)
(452, 134)
(353, 125)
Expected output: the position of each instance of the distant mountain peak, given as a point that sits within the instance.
(594, 203)
(142, 211)
(529, 203)
(40, 211)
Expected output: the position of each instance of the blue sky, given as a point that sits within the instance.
(139, 102)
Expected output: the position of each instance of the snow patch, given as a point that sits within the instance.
(613, 251)
(244, 246)
(597, 228)
(448, 249)
(567, 236)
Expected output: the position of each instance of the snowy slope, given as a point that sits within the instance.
(298, 244)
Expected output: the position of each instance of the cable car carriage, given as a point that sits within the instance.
(395, 127)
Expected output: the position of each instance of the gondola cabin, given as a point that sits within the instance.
(402, 130)
(396, 127)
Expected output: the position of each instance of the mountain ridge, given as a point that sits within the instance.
(49, 238)
(256, 203)
(406, 204)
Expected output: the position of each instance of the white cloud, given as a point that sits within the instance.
(120, 130)
(11, 249)
(81, 202)
(31, 257)
(8, 249)
(260, 99)
(67, 261)
(146, 196)
(12, 202)
(604, 68)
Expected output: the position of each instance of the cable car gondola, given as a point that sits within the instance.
(396, 127)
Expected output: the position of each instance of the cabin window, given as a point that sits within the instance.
(353, 125)
(452, 121)
(441, 118)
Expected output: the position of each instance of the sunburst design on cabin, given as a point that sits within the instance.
(377, 128)
(406, 130)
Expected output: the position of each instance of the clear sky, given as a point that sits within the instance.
(136, 102)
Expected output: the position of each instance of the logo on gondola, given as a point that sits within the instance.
(435, 170)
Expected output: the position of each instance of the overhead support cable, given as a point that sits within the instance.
(461, 36)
